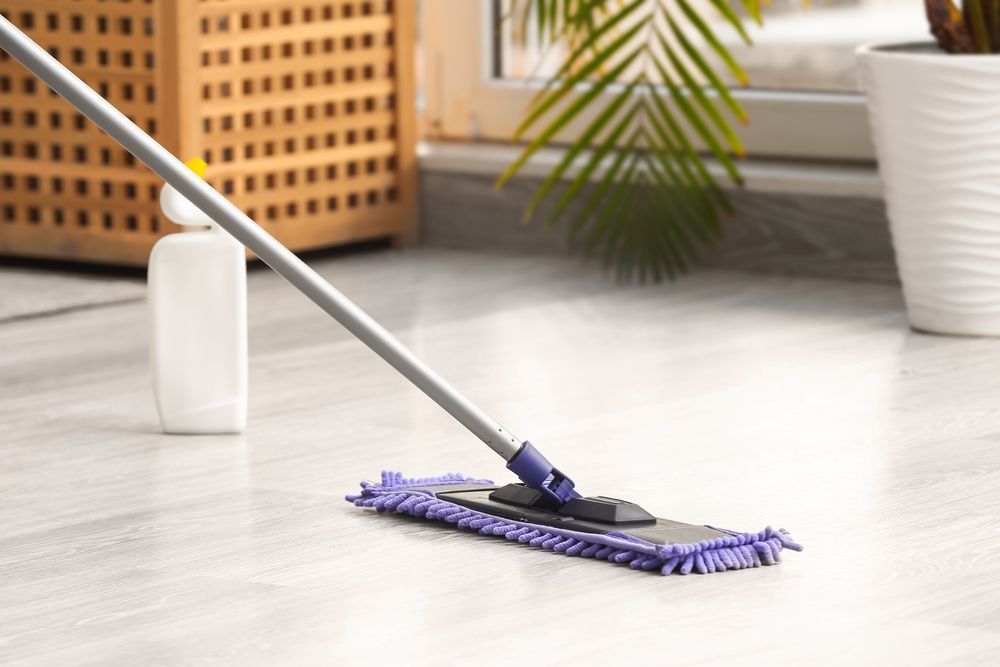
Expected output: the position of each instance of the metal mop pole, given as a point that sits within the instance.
(522, 458)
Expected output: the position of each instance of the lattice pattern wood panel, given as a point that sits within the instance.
(302, 108)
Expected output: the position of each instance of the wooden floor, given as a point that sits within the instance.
(730, 399)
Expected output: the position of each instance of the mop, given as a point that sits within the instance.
(544, 509)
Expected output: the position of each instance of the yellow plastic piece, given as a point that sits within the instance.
(197, 165)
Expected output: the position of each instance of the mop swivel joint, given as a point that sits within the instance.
(535, 471)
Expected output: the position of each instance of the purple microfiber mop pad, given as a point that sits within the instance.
(735, 551)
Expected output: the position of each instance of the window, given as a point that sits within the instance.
(804, 100)
(798, 48)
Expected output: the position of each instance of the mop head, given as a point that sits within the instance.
(425, 497)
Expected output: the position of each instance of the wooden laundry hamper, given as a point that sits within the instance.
(304, 110)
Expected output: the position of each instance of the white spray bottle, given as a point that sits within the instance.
(198, 303)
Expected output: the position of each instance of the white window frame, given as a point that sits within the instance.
(464, 101)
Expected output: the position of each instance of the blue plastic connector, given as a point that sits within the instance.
(535, 471)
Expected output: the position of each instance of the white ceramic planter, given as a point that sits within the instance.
(936, 123)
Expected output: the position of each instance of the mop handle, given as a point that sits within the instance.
(284, 262)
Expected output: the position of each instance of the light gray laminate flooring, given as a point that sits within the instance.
(729, 399)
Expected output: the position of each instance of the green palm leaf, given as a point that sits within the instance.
(647, 78)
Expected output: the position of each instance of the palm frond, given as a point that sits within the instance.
(646, 82)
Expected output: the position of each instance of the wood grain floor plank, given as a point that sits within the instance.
(729, 399)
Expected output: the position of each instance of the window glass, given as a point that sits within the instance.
(799, 47)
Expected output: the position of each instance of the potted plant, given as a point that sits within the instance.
(632, 184)
(933, 111)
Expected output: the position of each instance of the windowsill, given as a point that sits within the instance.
(791, 177)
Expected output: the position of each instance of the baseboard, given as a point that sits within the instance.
(840, 236)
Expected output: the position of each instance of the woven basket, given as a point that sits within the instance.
(303, 110)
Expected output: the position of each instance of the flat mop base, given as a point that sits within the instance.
(643, 543)
(585, 515)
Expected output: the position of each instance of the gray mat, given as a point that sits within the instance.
(26, 292)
